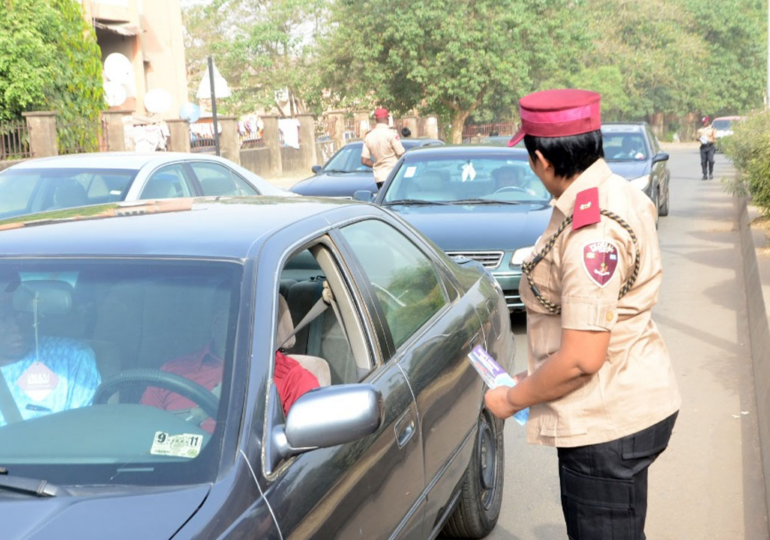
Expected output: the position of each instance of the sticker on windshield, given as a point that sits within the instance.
(410, 172)
(469, 173)
(186, 445)
(38, 381)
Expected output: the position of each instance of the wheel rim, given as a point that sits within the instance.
(487, 442)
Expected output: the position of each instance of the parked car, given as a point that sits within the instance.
(633, 152)
(395, 443)
(344, 174)
(61, 182)
(475, 202)
(500, 140)
(724, 125)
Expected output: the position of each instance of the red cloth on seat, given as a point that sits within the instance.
(292, 380)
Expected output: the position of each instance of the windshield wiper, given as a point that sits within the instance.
(340, 171)
(29, 486)
(486, 201)
(413, 201)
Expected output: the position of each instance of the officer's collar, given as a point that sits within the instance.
(591, 177)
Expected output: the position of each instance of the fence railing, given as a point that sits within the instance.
(14, 140)
(485, 130)
(251, 140)
(80, 136)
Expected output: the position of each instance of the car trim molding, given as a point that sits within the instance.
(262, 493)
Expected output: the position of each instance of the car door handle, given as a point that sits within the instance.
(405, 429)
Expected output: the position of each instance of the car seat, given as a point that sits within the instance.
(219, 187)
(428, 186)
(162, 186)
(314, 364)
(69, 195)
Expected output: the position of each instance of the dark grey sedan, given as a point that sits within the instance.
(244, 368)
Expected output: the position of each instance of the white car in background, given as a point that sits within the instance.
(724, 125)
(56, 183)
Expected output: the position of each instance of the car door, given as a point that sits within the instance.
(369, 488)
(216, 180)
(168, 182)
(659, 176)
(429, 330)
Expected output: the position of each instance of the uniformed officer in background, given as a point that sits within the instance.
(599, 382)
(382, 144)
(707, 136)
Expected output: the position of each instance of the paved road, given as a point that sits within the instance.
(708, 484)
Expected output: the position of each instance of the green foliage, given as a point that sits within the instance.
(749, 149)
(49, 60)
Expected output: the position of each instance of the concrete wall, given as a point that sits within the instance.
(754, 271)
(257, 160)
(292, 160)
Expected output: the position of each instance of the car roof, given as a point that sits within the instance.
(727, 118)
(202, 228)
(111, 160)
(463, 150)
(623, 127)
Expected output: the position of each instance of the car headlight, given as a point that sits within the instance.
(642, 183)
(520, 254)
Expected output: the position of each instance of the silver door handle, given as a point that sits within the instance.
(405, 429)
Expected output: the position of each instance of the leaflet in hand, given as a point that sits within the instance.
(494, 376)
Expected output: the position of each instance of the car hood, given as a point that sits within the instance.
(629, 169)
(335, 184)
(479, 227)
(157, 514)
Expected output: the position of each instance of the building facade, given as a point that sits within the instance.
(149, 34)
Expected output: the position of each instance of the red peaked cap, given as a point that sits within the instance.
(381, 113)
(558, 113)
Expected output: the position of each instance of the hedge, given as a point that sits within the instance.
(749, 149)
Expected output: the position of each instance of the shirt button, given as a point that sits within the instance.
(610, 316)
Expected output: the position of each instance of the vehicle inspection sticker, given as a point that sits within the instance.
(185, 445)
(410, 172)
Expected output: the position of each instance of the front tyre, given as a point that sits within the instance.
(481, 494)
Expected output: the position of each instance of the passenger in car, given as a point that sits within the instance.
(205, 367)
(54, 375)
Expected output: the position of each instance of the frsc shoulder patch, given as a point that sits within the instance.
(600, 261)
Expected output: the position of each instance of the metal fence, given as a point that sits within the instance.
(14, 140)
(485, 130)
(251, 140)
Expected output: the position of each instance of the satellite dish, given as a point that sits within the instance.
(115, 94)
(157, 101)
(118, 68)
(190, 112)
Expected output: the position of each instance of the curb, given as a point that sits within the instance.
(759, 333)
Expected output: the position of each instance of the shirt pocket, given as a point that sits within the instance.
(542, 277)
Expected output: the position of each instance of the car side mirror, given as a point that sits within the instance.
(316, 169)
(660, 156)
(328, 417)
(363, 195)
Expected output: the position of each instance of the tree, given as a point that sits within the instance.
(49, 60)
(447, 57)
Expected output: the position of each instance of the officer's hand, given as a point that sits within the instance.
(497, 402)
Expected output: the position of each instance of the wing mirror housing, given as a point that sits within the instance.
(363, 195)
(316, 169)
(660, 156)
(328, 417)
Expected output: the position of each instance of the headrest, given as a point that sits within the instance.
(285, 324)
(53, 297)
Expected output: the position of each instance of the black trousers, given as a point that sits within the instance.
(707, 152)
(604, 486)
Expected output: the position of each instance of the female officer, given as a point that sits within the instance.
(600, 383)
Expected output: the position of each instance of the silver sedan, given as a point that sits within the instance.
(55, 183)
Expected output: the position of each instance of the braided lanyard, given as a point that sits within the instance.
(527, 267)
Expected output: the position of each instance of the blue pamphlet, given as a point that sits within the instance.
(494, 376)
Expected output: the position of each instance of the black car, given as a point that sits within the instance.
(344, 174)
(168, 319)
(633, 152)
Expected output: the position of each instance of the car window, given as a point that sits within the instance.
(16, 193)
(168, 182)
(348, 159)
(72, 328)
(453, 178)
(218, 180)
(403, 277)
(653, 142)
(624, 145)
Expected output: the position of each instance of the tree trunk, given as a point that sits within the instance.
(458, 123)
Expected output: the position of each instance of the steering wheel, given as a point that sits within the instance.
(511, 188)
(156, 377)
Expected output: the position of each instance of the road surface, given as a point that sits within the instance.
(708, 484)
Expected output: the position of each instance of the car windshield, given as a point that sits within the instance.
(492, 178)
(348, 159)
(624, 146)
(721, 124)
(26, 191)
(115, 369)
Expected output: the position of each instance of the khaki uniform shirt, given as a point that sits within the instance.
(709, 132)
(382, 144)
(635, 388)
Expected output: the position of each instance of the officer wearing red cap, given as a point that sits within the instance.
(382, 148)
(707, 136)
(599, 384)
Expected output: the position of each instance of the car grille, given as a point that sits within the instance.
(489, 259)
